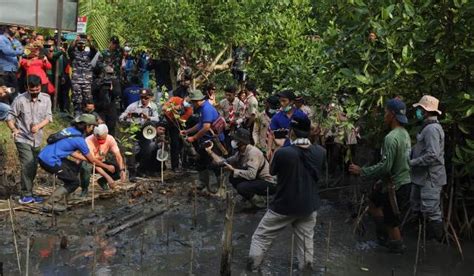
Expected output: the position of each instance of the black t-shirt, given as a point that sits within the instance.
(297, 184)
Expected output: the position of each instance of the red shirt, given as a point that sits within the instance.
(36, 67)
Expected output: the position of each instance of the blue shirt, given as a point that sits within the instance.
(131, 94)
(282, 121)
(9, 50)
(208, 114)
(53, 154)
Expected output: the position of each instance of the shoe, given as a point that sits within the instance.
(396, 246)
(26, 200)
(38, 199)
(103, 184)
(84, 192)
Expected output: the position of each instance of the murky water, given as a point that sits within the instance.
(171, 244)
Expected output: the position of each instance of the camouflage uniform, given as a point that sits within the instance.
(81, 76)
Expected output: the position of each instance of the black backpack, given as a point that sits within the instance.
(55, 137)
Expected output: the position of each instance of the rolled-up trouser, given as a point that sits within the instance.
(426, 199)
(68, 173)
(249, 188)
(272, 224)
(28, 160)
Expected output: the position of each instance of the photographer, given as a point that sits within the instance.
(142, 112)
(5, 95)
(10, 49)
(249, 170)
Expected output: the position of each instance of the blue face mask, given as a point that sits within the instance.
(186, 104)
(419, 114)
(287, 109)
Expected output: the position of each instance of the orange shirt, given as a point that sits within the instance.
(174, 106)
(100, 151)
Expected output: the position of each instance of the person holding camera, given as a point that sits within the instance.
(36, 65)
(81, 80)
(204, 131)
(5, 100)
(142, 112)
(249, 170)
(30, 113)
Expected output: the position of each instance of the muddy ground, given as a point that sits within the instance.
(177, 243)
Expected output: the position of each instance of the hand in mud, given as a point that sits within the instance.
(354, 169)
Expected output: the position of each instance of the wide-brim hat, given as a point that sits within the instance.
(86, 118)
(429, 103)
(242, 135)
(196, 95)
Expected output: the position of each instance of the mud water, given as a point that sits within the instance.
(176, 243)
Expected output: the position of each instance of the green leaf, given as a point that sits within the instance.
(346, 72)
(409, 71)
(463, 128)
(405, 53)
(362, 79)
(469, 112)
(408, 5)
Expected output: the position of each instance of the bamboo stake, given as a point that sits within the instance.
(226, 256)
(53, 214)
(328, 242)
(27, 265)
(93, 184)
(194, 207)
(424, 236)
(192, 259)
(162, 162)
(417, 248)
(458, 244)
(14, 236)
(268, 197)
(291, 252)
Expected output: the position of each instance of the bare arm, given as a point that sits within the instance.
(99, 163)
(205, 128)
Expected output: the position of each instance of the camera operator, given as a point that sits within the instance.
(5, 99)
(141, 112)
(249, 170)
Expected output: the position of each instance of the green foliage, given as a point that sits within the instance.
(128, 137)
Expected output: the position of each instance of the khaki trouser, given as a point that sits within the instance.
(269, 228)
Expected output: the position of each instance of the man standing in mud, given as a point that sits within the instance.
(428, 172)
(30, 113)
(59, 157)
(297, 167)
(389, 198)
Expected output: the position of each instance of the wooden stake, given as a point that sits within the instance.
(424, 236)
(268, 197)
(162, 162)
(27, 265)
(53, 214)
(455, 237)
(291, 252)
(328, 242)
(417, 248)
(194, 207)
(192, 259)
(226, 256)
(93, 184)
(14, 235)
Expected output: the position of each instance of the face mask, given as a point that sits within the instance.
(186, 104)
(419, 114)
(34, 95)
(287, 109)
(101, 141)
(234, 144)
(272, 111)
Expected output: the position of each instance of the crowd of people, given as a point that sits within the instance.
(265, 151)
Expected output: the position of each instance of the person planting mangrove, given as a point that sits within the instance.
(390, 196)
(59, 157)
(249, 170)
(428, 172)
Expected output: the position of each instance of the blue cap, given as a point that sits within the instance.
(398, 107)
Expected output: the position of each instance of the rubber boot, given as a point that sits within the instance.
(203, 179)
(57, 198)
(435, 230)
(380, 231)
(258, 202)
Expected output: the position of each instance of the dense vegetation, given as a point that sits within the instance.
(369, 49)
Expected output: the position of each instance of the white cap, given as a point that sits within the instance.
(101, 129)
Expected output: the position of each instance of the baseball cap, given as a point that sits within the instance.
(301, 126)
(287, 94)
(398, 107)
(146, 93)
(86, 118)
(101, 130)
(242, 135)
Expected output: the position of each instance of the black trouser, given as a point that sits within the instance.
(176, 145)
(249, 188)
(68, 172)
(63, 93)
(382, 200)
(110, 117)
(205, 161)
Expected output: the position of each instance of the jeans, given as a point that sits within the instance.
(68, 172)
(249, 188)
(28, 160)
(4, 109)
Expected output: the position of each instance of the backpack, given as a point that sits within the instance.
(55, 137)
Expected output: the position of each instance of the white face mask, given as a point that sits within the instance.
(234, 144)
(186, 104)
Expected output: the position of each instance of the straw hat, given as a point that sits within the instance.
(429, 103)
